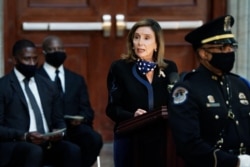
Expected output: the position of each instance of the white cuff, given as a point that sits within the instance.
(244, 160)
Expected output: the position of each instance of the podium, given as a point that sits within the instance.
(152, 140)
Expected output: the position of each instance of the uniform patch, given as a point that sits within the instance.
(242, 95)
(180, 95)
(210, 99)
(211, 102)
(243, 99)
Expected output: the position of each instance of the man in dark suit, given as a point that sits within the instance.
(76, 100)
(22, 139)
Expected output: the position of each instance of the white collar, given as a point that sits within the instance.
(51, 69)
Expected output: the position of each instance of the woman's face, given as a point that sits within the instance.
(144, 43)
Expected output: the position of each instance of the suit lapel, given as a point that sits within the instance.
(17, 87)
(44, 73)
(67, 80)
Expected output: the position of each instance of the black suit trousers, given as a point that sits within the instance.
(24, 154)
(62, 154)
(20, 154)
(88, 140)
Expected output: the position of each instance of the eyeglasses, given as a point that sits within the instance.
(224, 47)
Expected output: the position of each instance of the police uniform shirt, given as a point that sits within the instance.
(200, 120)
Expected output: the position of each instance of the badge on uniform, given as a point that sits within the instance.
(243, 99)
(180, 95)
(211, 102)
(227, 23)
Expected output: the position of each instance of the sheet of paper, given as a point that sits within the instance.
(55, 132)
(77, 117)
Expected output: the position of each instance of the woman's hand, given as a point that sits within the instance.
(139, 112)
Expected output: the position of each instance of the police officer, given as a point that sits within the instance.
(210, 108)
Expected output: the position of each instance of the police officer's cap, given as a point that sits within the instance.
(217, 31)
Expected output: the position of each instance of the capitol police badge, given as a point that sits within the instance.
(180, 95)
(227, 23)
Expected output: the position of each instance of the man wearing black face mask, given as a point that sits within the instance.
(76, 105)
(56, 58)
(210, 109)
(30, 106)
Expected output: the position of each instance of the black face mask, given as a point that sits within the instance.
(27, 70)
(223, 61)
(56, 58)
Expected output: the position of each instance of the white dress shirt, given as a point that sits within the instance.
(33, 87)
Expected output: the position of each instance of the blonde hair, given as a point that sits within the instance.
(158, 56)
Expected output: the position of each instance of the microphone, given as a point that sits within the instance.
(173, 78)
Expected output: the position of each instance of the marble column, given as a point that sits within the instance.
(240, 10)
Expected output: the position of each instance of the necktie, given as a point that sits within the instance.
(58, 81)
(34, 105)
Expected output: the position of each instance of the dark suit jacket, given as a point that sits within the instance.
(76, 97)
(127, 92)
(14, 114)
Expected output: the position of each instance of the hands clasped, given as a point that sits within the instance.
(39, 138)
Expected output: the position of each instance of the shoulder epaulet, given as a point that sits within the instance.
(186, 75)
(245, 80)
(236, 75)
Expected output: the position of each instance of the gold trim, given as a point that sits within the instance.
(217, 37)
(215, 157)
